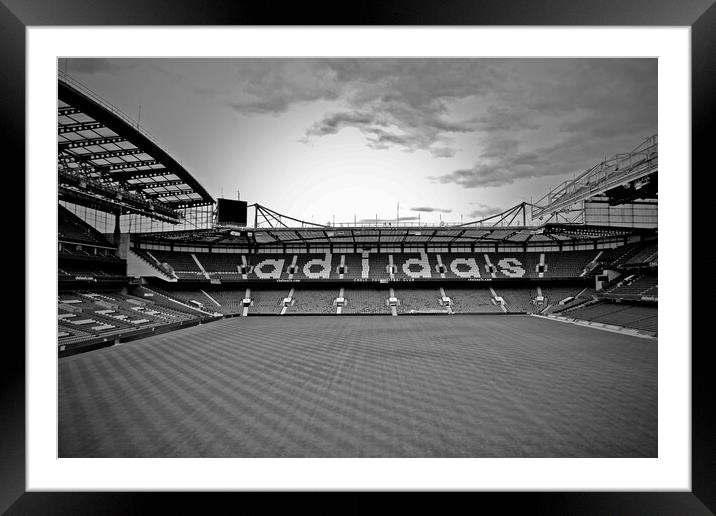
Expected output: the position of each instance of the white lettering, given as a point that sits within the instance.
(511, 267)
(325, 264)
(472, 272)
(275, 273)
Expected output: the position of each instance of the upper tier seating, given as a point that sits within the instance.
(183, 264)
(405, 266)
(644, 256)
(635, 288)
(73, 229)
(637, 253)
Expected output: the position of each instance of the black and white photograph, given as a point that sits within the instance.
(357, 257)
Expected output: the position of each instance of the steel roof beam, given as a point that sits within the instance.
(123, 166)
(68, 110)
(110, 154)
(139, 186)
(73, 128)
(90, 142)
(167, 194)
(127, 175)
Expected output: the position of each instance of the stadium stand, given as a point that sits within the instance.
(267, 301)
(639, 317)
(419, 300)
(314, 301)
(353, 265)
(183, 265)
(472, 300)
(71, 228)
(220, 265)
(628, 254)
(405, 266)
(230, 300)
(366, 301)
(634, 287)
(84, 315)
(553, 296)
(648, 254)
(517, 299)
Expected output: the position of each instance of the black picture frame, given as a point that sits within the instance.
(700, 15)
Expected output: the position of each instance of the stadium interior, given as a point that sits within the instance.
(116, 286)
(190, 326)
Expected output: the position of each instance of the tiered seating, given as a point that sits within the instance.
(629, 316)
(636, 288)
(72, 228)
(151, 261)
(168, 304)
(418, 300)
(183, 264)
(282, 266)
(366, 301)
(631, 254)
(568, 264)
(194, 295)
(416, 266)
(100, 269)
(354, 264)
(517, 300)
(267, 301)
(221, 265)
(378, 263)
(313, 301)
(553, 295)
(120, 310)
(645, 256)
(90, 314)
(85, 315)
(231, 300)
(471, 300)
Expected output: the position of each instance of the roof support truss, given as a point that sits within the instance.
(90, 142)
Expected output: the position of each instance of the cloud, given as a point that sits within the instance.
(483, 211)
(429, 209)
(97, 65)
(272, 86)
(514, 119)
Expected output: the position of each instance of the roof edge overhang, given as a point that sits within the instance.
(71, 95)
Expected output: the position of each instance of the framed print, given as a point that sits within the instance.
(411, 250)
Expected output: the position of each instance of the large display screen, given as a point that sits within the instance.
(230, 211)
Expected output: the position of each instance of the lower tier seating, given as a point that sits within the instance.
(366, 301)
(418, 300)
(619, 314)
(472, 300)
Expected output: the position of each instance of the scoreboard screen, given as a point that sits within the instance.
(229, 211)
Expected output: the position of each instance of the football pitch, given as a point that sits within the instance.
(364, 386)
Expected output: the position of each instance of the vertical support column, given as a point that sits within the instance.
(117, 231)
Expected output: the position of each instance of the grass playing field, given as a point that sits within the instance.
(327, 386)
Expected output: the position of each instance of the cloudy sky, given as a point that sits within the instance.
(345, 138)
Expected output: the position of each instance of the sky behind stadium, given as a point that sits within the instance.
(318, 139)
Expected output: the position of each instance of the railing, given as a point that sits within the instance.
(602, 176)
